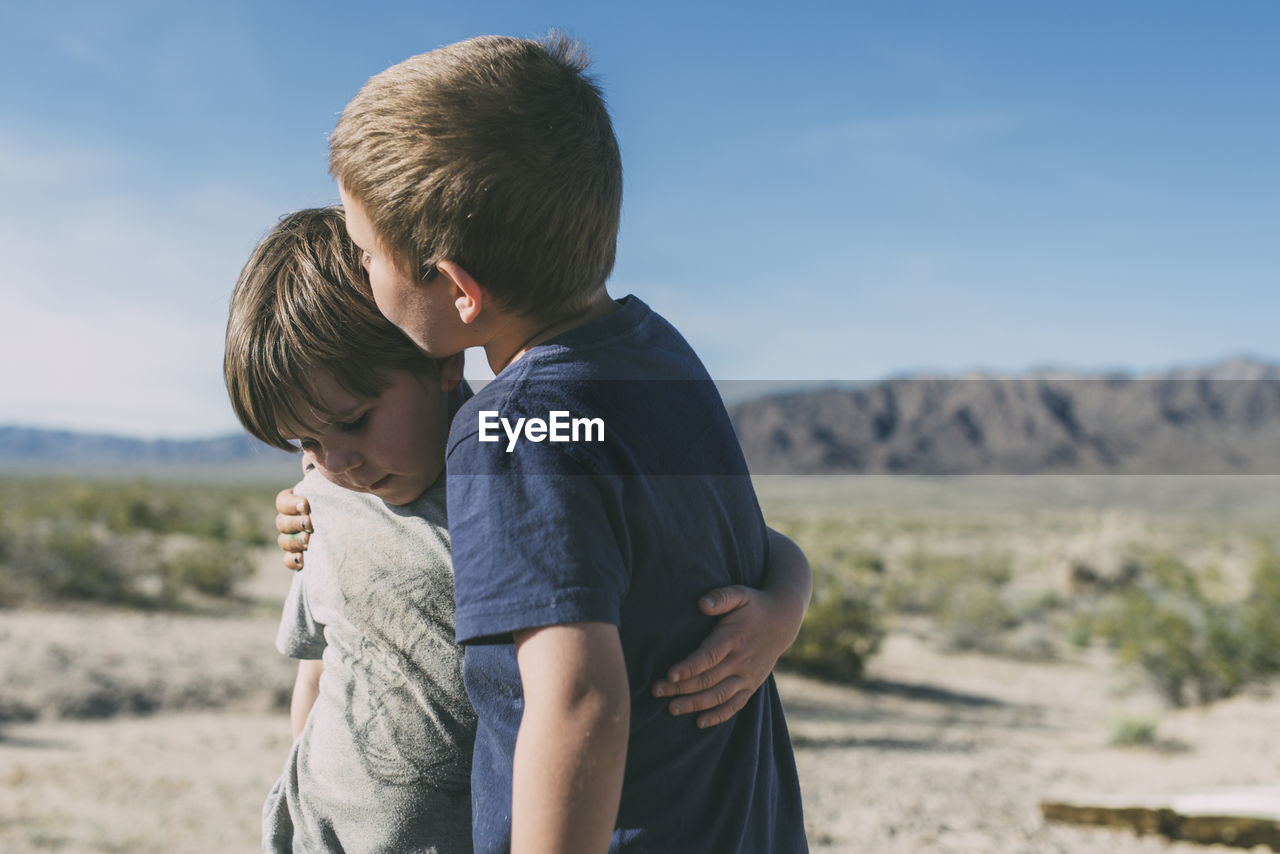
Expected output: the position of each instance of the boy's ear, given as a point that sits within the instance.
(469, 296)
(450, 372)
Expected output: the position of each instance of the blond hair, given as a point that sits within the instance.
(301, 309)
(496, 153)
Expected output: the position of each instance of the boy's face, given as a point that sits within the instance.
(391, 446)
(424, 311)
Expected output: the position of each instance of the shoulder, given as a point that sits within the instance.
(429, 509)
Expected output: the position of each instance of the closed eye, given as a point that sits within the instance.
(357, 424)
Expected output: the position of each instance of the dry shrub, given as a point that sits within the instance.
(844, 624)
(963, 595)
(842, 629)
(1196, 644)
(125, 543)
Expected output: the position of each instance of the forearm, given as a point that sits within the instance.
(306, 688)
(756, 626)
(572, 746)
(788, 580)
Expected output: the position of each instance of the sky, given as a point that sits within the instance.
(826, 192)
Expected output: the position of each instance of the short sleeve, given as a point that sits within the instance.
(536, 541)
(300, 635)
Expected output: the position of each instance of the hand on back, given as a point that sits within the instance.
(717, 679)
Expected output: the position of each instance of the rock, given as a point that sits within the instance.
(1242, 817)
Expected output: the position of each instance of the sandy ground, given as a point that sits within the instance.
(162, 733)
(935, 753)
(166, 783)
(955, 753)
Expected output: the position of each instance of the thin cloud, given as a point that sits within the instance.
(79, 48)
(81, 225)
(912, 132)
(34, 161)
(116, 298)
(127, 370)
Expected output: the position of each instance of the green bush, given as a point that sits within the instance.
(844, 624)
(1260, 613)
(62, 559)
(133, 543)
(974, 617)
(1080, 629)
(841, 630)
(207, 567)
(1194, 643)
(963, 595)
(1133, 732)
(926, 582)
(216, 511)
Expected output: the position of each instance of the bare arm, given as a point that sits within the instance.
(306, 688)
(756, 627)
(572, 746)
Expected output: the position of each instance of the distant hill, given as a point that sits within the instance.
(1224, 418)
(34, 445)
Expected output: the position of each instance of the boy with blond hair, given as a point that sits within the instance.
(383, 728)
(483, 183)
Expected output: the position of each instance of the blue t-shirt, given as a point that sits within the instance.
(644, 508)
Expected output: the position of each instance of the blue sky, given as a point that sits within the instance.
(826, 192)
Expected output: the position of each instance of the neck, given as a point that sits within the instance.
(527, 333)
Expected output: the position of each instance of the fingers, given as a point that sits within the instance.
(293, 543)
(293, 521)
(288, 504)
(294, 527)
(716, 701)
(292, 514)
(698, 683)
(725, 711)
(714, 650)
(286, 524)
(721, 600)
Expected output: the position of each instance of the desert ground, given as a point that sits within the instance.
(162, 732)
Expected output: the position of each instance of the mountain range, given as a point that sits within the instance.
(1217, 419)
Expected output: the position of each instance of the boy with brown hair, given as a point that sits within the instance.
(483, 183)
(381, 759)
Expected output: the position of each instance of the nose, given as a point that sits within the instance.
(341, 459)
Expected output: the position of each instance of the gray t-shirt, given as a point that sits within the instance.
(384, 761)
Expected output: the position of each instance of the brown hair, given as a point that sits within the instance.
(496, 153)
(301, 309)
